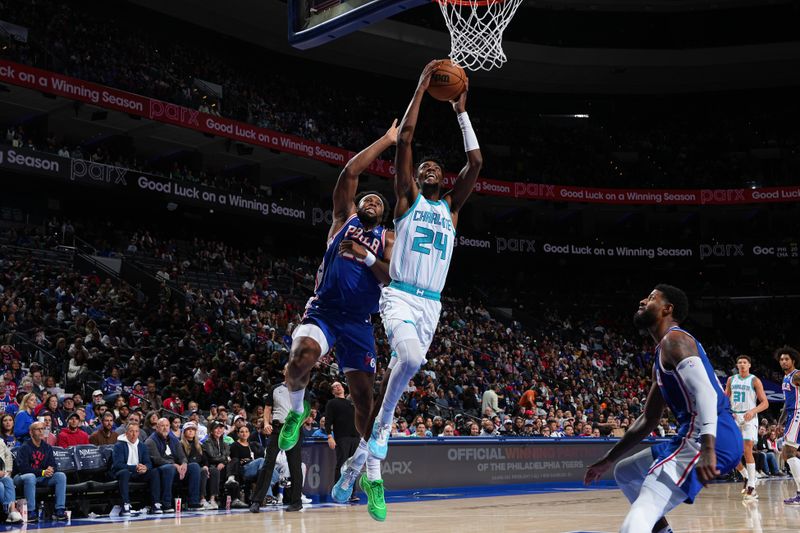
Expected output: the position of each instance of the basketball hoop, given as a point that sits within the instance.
(476, 30)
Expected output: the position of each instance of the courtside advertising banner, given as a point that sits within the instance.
(419, 464)
(160, 111)
(707, 251)
(29, 161)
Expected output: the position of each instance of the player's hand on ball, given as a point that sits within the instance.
(707, 466)
(596, 471)
(352, 249)
(460, 104)
(427, 72)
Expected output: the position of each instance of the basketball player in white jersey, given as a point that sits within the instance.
(747, 397)
(425, 230)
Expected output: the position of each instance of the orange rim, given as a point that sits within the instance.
(469, 3)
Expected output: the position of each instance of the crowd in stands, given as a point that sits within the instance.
(684, 142)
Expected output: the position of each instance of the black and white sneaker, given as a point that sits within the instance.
(126, 510)
(158, 509)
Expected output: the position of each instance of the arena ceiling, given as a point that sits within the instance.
(400, 49)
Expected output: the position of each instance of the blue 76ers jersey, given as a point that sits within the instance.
(791, 395)
(423, 245)
(677, 396)
(344, 283)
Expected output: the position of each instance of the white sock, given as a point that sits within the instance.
(296, 398)
(373, 469)
(751, 475)
(360, 457)
(794, 466)
(743, 471)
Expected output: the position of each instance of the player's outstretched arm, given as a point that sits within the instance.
(347, 184)
(469, 174)
(639, 430)
(405, 187)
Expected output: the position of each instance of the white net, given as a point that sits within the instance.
(476, 31)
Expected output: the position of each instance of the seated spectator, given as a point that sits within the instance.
(150, 422)
(25, 417)
(134, 417)
(246, 458)
(50, 434)
(105, 434)
(36, 466)
(97, 399)
(174, 403)
(7, 431)
(8, 404)
(8, 512)
(136, 397)
(422, 431)
(218, 455)
(175, 426)
(193, 415)
(487, 428)
(194, 455)
(67, 408)
(238, 422)
(132, 462)
(168, 458)
(112, 386)
(72, 435)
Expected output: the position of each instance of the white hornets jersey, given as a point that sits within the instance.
(743, 394)
(423, 247)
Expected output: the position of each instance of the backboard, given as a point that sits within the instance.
(316, 22)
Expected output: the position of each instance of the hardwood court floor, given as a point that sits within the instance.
(719, 508)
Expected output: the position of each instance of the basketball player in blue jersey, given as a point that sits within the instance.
(708, 442)
(348, 287)
(746, 394)
(789, 359)
(425, 224)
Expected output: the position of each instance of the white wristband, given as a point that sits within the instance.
(370, 259)
(470, 140)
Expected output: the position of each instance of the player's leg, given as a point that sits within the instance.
(658, 495)
(792, 457)
(410, 324)
(629, 473)
(342, 491)
(749, 434)
(410, 358)
(309, 341)
(356, 355)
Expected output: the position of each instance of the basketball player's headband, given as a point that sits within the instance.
(376, 196)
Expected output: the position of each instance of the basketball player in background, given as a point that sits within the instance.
(747, 397)
(348, 286)
(789, 359)
(425, 223)
(658, 479)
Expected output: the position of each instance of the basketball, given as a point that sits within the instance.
(447, 82)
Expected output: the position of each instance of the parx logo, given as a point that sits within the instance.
(396, 468)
